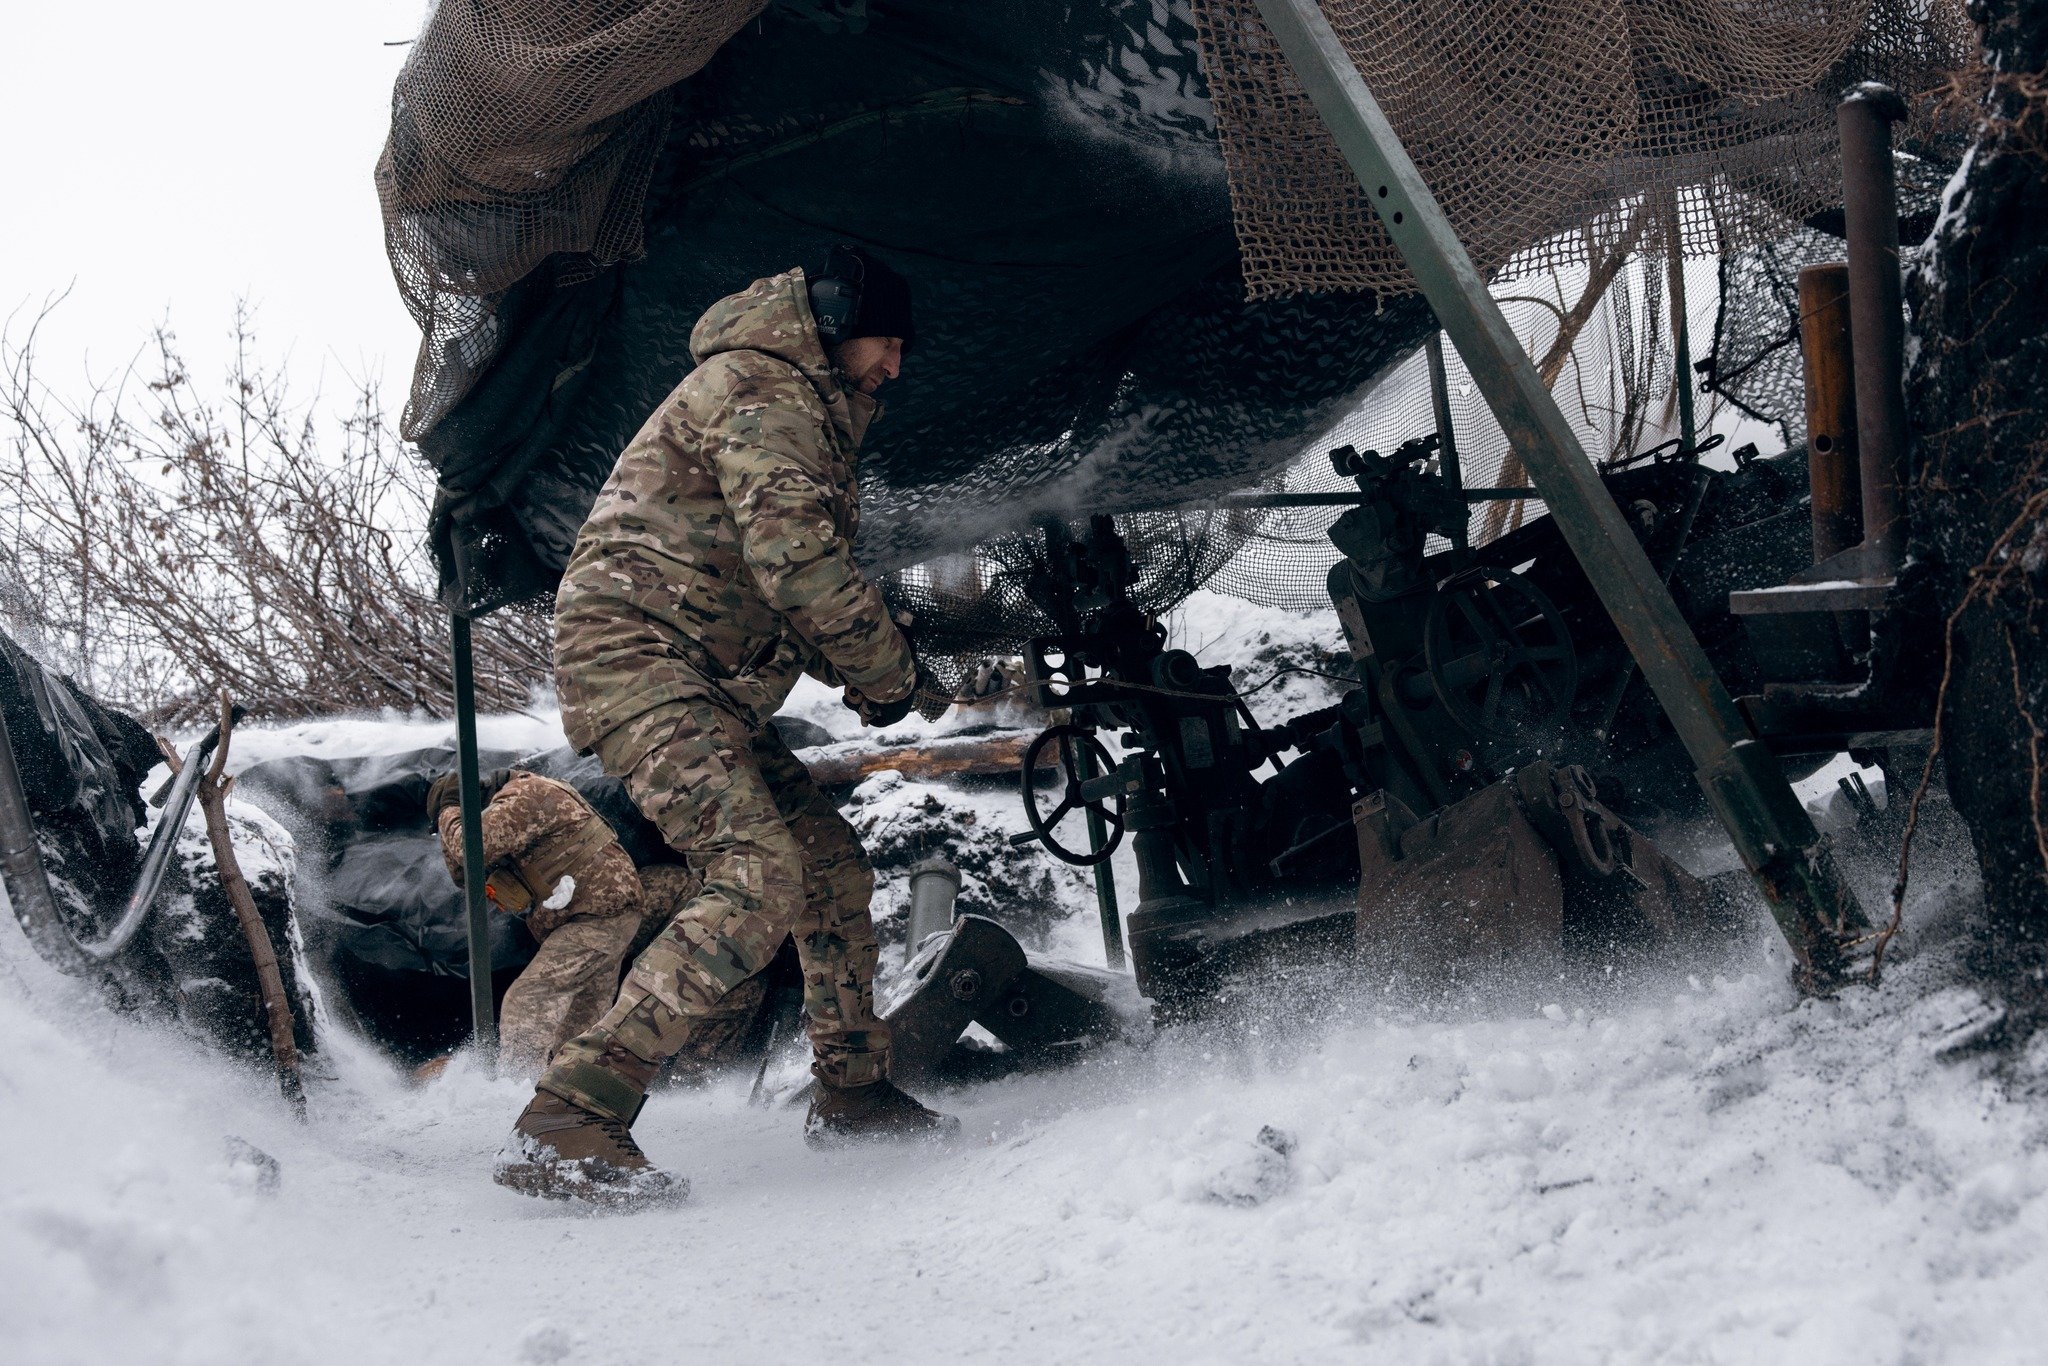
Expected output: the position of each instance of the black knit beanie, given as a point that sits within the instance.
(884, 299)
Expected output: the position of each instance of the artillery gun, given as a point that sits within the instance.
(1459, 808)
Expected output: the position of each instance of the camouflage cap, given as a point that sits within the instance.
(446, 790)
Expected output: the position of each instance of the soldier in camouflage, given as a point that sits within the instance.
(550, 857)
(715, 568)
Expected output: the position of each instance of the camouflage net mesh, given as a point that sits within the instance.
(1535, 120)
(524, 130)
(1755, 362)
(1614, 387)
(989, 603)
(1557, 133)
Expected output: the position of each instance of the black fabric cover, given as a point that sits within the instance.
(82, 765)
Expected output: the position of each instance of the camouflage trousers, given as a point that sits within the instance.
(567, 987)
(776, 858)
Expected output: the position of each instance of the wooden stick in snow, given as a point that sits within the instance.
(277, 1007)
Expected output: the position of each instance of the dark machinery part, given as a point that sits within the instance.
(934, 890)
(1787, 857)
(1500, 656)
(1827, 686)
(979, 975)
(1470, 664)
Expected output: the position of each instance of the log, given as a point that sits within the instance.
(966, 757)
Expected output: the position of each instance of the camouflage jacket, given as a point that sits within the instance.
(718, 559)
(536, 832)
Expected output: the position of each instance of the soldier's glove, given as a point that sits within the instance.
(921, 698)
(882, 713)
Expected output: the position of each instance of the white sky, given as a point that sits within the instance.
(163, 159)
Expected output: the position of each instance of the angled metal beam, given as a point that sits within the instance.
(482, 1008)
(1790, 861)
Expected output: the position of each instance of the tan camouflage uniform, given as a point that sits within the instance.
(719, 1036)
(715, 568)
(537, 831)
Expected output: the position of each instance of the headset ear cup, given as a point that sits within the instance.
(834, 304)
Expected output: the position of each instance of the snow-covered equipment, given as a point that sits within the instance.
(60, 938)
(154, 928)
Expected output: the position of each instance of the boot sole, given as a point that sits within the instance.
(546, 1184)
(828, 1140)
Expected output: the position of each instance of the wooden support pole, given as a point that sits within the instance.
(1681, 329)
(277, 1006)
(1831, 453)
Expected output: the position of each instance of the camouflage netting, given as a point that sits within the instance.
(991, 602)
(1135, 281)
(523, 130)
(1756, 362)
(1535, 123)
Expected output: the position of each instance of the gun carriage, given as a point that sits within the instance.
(1459, 808)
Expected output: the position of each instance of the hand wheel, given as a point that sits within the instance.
(1499, 654)
(1111, 809)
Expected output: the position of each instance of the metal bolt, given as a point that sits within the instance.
(965, 984)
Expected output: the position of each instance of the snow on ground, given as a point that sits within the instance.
(1700, 1168)
(1709, 1171)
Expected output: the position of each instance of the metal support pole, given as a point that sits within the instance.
(1681, 332)
(482, 1014)
(1105, 879)
(1790, 860)
(1830, 374)
(1446, 439)
(1877, 318)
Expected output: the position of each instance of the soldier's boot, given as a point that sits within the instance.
(575, 1140)
(878, 1110)
(560, 1151)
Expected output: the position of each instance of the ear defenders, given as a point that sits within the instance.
(835, 295)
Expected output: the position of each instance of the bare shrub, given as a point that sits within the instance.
(164, 545)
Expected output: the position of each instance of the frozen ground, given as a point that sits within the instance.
(1698, 1169)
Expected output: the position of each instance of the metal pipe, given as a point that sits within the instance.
(1877, 320)
(1790, 861)
(1830, 371)
(156, 860)
(934, 889)
(1446, 439)
(482, 1009)
(1105, 879)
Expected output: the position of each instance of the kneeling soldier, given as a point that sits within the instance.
(550, 857)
